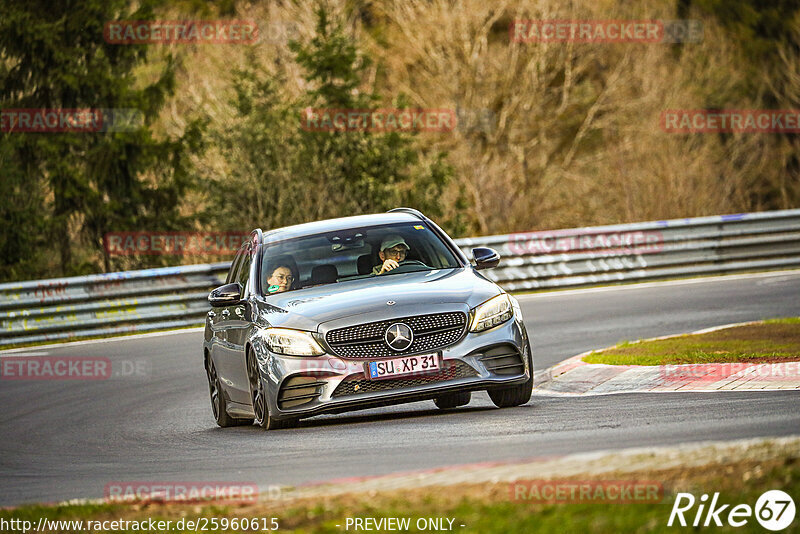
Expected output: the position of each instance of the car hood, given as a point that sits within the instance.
(412, 294)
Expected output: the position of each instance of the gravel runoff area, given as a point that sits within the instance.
(573, 376)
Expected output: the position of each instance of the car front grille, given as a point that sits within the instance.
(431, 332)
(357, 384)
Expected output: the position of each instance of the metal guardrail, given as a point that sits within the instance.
(172, 297)
(641, 251)
(101, 304)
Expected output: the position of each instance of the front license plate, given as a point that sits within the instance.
(409, 365)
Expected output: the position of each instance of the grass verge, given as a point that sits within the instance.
(481, 507)
(774, 340)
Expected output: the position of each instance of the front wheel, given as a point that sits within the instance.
(258, 394)
(219, 406)
(514, 395)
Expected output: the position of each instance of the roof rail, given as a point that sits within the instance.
(412, 211)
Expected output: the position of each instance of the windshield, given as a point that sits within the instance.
(351, 254)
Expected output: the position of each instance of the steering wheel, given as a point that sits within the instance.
(411, 266)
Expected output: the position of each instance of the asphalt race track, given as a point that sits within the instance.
(63, 439)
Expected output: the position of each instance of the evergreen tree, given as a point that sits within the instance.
(295, 175)
(69, 189)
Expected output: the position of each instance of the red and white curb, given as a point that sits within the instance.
(573, 376)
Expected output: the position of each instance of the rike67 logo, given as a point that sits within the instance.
(774, 510)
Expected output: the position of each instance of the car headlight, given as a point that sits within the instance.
(491, 313)
(291, 342)
(517, 309)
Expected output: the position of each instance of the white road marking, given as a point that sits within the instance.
(28, 354)
(116, 339)
(557, 292)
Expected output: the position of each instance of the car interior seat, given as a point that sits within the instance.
(324, 274)
(365, 263)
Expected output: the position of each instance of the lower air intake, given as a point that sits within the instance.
(357, 384)
(299, 390)
(503, 360)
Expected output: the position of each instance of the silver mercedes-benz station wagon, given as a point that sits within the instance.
(360, 312)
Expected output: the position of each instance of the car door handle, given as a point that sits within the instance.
(226, 314)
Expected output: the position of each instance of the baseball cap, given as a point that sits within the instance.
(393, 240)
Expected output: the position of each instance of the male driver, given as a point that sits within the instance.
(393, 251)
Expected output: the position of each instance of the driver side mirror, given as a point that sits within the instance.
(227, 295)
(485, 258)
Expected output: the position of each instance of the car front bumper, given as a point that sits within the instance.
(336, 381)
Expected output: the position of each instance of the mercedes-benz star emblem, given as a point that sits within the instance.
(399, 337)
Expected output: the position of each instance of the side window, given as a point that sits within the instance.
(243, 273)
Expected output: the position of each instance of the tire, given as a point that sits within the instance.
(514, 395)
(219, 406)
(258, 395)
(453, 400)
